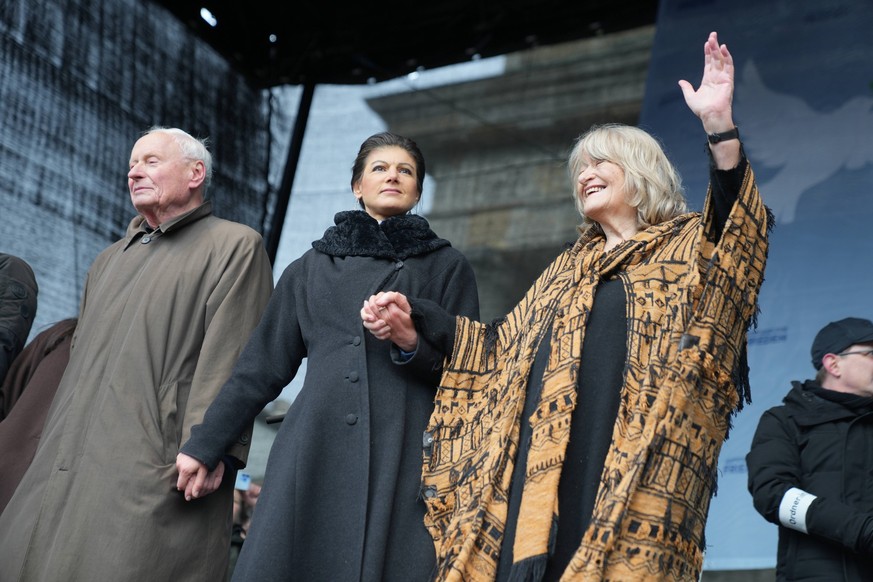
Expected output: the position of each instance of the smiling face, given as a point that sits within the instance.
(622, 182)
(163, 183)
(603, 196)
(389, 184)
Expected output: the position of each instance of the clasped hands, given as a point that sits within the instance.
(387, 316)
(195, 479)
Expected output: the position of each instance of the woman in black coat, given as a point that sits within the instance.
(340, 500)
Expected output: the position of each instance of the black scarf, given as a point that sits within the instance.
(358, 234)
(857, 403)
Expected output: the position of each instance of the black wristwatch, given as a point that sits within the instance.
(724, 136)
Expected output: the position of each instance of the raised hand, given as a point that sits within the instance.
(712, 101)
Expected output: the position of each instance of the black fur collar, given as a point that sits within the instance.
(357, 234)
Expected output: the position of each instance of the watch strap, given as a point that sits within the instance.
(724, 136)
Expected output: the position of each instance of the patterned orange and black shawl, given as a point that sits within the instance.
(691, 296)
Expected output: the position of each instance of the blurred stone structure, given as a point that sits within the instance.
(497, 150)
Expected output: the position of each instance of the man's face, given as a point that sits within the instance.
(856, 369)
(160, 177)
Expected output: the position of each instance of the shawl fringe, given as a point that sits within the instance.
(492, 334)
(741, 372)
(529, 570)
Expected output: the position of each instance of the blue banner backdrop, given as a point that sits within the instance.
(804, 106)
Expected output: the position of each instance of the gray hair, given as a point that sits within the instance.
(192, 148)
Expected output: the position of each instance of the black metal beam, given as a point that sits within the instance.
(283, 196)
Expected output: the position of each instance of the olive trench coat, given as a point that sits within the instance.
(163, 318)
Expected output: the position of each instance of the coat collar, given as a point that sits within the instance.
(357, 234)
(810, 404)
(138, 227)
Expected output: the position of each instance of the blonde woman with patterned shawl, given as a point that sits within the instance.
(577, 438)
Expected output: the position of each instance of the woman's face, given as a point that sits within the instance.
(389, 185)
(601, 190)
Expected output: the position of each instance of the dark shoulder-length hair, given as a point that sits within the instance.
(383, 140)
(652, 184)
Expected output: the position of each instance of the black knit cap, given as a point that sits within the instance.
(838, 335)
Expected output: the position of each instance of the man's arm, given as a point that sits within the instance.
(233, 311)
(780, 496)
(774, 466)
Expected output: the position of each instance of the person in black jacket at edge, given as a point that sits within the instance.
(18, 293)
(811, 462)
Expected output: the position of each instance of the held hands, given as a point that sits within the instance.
(387, 317)
(195, 480)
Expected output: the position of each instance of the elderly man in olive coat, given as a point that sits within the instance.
(164, 315)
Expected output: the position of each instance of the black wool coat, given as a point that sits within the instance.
(823, 446)
(340, 500)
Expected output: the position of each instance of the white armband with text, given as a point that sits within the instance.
(792, 510)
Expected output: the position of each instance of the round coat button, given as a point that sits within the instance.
(351, 419)
(356, 341)
(18, 290)
(353, 377)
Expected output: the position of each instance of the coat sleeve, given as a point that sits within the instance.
(773, 463)
(774, 466)
(435, 319)
(233, 309)
(267, 364)
(436, 337)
